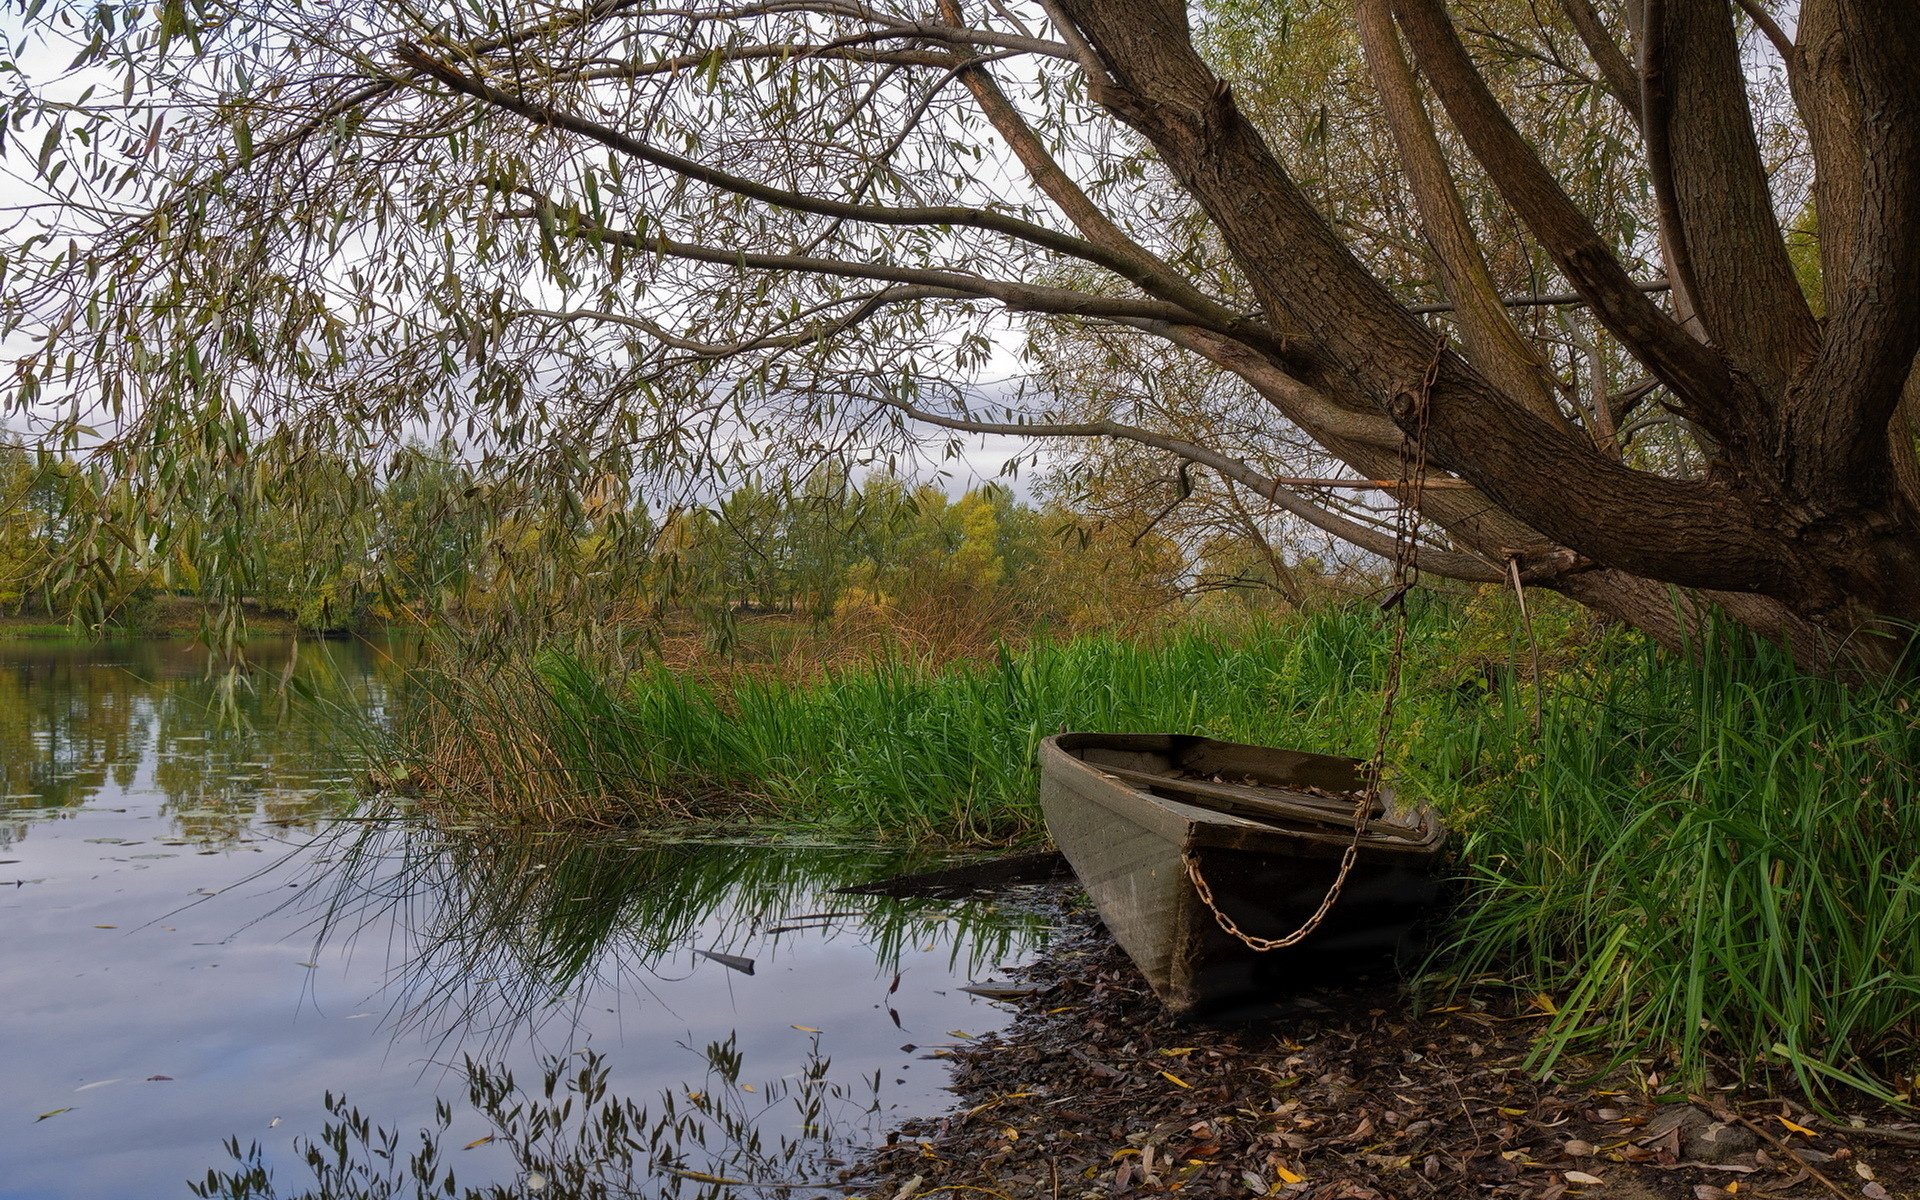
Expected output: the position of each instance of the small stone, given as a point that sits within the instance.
(1720, 1142)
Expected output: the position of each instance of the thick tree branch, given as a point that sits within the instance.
(1288, 252)
(1770, 29)
(1492, 341)
(1827, 94)
(1694, 372)
(1838, 410)
(1712, 188)
(1616, 71)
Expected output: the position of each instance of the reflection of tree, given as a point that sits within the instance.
(505, 929)
(75, 720)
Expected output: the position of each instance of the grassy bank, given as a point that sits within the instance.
(890, 750)
(1693, 860)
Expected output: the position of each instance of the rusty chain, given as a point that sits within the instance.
(1406, 570)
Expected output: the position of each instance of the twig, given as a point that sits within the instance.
(1725, 1114)
(1378, 485)
(1545, 300)
(1878, 1133)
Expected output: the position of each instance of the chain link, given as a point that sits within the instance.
(1406, 570)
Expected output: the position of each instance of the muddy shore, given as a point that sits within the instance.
(1345, 1093)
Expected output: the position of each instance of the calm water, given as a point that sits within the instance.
(201, 937)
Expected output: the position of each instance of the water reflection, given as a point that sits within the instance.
(79, 722)
(204, 939)
(509, 931)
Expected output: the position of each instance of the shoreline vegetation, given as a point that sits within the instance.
(164, 616)
(1679, 859)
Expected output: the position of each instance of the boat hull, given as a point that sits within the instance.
(1129, 847)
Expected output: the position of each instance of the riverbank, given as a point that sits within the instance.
(1688, 855)
(1349, 1092)
(164, 616)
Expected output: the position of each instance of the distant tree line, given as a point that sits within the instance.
(335, 546)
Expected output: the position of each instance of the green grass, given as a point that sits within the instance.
(1720, 855)
(20, 629)
(1701, 859)
(892, 752)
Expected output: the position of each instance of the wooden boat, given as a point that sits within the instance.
(1265, 828)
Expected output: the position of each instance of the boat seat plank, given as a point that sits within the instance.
(1281, 803)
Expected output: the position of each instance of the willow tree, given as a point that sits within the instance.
(610, 235)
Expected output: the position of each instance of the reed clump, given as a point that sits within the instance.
(1696, 859)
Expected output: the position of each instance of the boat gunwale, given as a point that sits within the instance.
(1206, 828)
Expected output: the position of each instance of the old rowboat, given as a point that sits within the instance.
(1265, 828)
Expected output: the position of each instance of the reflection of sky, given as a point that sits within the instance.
(214, 992)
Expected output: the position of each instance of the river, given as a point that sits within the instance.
(207, 933)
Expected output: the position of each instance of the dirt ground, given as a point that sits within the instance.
(1343, 1094)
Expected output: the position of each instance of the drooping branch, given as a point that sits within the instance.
(1014, 295)
(817, 331)
(1448, 563)
(1144, 272)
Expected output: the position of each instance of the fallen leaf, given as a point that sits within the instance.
(1799, 1129)
(56, 1112)
(479, 1141)
(159, 1079)
(1170, 1077)
(804, 1028)
(1581, 1177)
(1287, 1176)
(1874, 1191)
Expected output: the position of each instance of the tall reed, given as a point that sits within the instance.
(889, 751)
(1719, 854)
